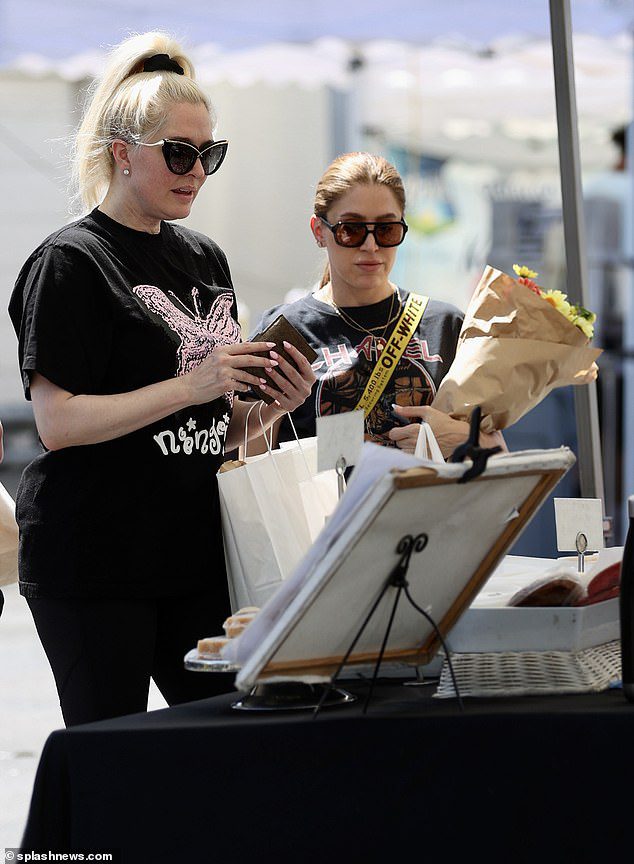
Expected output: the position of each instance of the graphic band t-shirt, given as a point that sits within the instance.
(102, 309)
(347, 355)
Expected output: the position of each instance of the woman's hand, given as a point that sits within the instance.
(227, 368)
(592, 374)
(294, 388)
(448, 432)
(293, 384)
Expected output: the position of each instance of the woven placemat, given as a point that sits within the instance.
(512, 673)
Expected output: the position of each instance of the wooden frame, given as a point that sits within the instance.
(307, 630)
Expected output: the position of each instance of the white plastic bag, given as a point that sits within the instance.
(426, 444)
(272, 508)
(8, 539)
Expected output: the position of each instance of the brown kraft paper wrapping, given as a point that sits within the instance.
(513, 349)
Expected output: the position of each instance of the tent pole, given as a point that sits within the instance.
(628, 330)
(586, 407)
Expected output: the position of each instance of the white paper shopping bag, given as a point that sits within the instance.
(8, 539)
(318, 489)
(272, 508)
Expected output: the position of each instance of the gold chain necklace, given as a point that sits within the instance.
(392, 316)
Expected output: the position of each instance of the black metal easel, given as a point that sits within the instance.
(408, 545)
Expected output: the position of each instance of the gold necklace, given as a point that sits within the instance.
(369, 330)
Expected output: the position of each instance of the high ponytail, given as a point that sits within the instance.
(128, 103)
(347, 171)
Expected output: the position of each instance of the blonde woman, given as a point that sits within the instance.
(130, 350)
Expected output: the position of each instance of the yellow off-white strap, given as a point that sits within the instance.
(393, 351)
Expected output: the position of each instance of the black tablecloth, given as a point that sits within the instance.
(524, 779)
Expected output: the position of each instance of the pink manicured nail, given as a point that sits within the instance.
(274, 363)
(263, 381)
(262, 385)
(271, 344)
(287, 344)
(274, 354)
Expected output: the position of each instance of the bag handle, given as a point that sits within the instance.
(246, 428)
(301, 449)
(426, 445)
(269, 443)
(266, 439)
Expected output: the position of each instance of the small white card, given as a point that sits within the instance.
(339, 436)
(574, 515)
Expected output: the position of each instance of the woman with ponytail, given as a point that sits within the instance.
(130, 350)
(357, 313)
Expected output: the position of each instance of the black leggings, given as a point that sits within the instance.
(103, 652)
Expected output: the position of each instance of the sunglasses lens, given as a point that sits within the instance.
(350, 233)
(213, 157)
(180, 158)
(389, 233)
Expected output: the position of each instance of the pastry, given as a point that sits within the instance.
(211, 645)
(233, 626)
(236, 623)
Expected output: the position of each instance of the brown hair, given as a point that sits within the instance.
(354, 169)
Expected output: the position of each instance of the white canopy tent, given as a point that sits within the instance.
(495, 104)
(62, 29)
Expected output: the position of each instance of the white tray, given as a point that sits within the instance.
(547, 628)
(489, 627)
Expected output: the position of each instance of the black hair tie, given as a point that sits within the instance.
(162, 63)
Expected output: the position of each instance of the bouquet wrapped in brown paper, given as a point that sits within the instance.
(517, 343)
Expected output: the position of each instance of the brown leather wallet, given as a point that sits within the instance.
(280, 331)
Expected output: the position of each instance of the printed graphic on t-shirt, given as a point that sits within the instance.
(199, 334)
(344, 372)
(189, 439)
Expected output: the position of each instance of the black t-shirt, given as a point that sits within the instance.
(100, 308)
(347, 355)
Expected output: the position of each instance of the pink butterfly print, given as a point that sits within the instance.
(199, 334)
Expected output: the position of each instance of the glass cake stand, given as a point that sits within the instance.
(276, 696)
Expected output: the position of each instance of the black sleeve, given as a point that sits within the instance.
(62, 319)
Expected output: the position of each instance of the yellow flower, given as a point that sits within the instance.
(524, 271)
(584, 320)
(586, 327)
(577, 315)
(559, 300)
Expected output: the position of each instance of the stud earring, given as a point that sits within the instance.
(126, 171)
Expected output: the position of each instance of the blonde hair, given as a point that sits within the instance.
(128, 103)
(354, 169)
